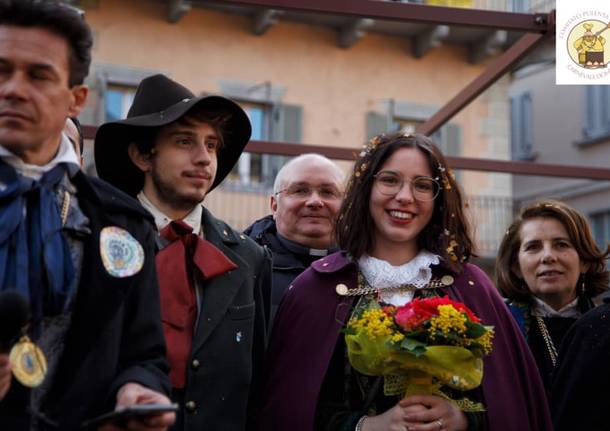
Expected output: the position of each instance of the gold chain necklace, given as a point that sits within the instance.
(365, 289)
(29, 363)
(550, 346)
(65, 206)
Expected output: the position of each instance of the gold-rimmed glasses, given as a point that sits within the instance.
(391, 183)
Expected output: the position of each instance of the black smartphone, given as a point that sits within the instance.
(123, 414)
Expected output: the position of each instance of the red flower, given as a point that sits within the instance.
(414, 314)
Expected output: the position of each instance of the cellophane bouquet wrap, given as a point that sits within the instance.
(420, 347)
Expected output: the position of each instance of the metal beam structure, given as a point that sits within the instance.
(417, 13)
(484, 165)
(537, 26)
(491, 74)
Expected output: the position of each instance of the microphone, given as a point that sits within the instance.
(14, 316)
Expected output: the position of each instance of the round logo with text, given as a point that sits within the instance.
(588, 44)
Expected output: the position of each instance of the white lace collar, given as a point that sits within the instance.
(383, 276)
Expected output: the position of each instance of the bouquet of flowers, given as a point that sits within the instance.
(420, 347)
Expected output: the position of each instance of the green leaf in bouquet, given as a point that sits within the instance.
(348, 330)
(414, 347)
(474, 330)
(451, 339)
(419, 336)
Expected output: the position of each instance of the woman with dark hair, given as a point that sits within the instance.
(549, 268)
(404, 235)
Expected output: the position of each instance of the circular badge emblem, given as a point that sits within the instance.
(28, 363)
(588, 44)
(122, 255)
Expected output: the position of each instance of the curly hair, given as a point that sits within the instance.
(596, 277)
(448, 232)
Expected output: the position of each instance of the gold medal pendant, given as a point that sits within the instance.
(28, 363)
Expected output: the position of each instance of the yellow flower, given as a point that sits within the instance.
(448, 321)
(397, 337)
(485, 340)
(375, 323)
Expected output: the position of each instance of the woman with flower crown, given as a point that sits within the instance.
(404, 235)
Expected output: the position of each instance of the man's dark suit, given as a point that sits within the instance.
(115, 335)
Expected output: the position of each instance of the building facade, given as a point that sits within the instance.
(309, 78)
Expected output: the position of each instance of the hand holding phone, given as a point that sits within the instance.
(122, 415)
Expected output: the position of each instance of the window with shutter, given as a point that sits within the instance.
(527, 134)
(600, 225)
(521, 127)
(376, 124)
(273, 122)
(115, 87)
(448, 138)
(597, 111)
(117, 101)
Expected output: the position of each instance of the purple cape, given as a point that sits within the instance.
(308, 326)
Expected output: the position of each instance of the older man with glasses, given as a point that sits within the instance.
(307, 194)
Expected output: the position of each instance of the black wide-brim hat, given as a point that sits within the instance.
(158, 102)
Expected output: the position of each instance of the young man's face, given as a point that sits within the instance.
(183, 165)
(35, 97)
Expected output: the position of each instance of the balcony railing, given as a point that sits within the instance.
(490, 216)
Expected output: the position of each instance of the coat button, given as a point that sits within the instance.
(195, 364)
(190, 406)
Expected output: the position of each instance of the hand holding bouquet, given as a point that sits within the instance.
(420, 347)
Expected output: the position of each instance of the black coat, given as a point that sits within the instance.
(287, 264)
(231, 336)
(579, 397)
(115, 335)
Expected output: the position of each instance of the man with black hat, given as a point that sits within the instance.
(74, 250)
(215, 283)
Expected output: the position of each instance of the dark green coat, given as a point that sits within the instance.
(230, 339)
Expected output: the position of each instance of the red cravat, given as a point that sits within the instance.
(187, 255)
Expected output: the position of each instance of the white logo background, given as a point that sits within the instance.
(570, 17)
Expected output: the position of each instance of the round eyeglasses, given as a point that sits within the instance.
(422, 188)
